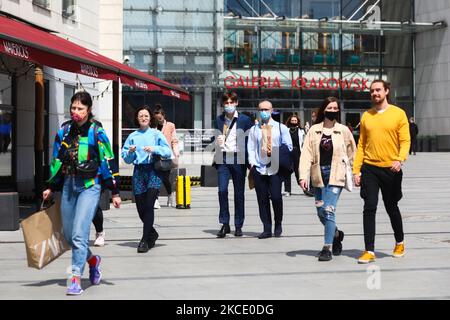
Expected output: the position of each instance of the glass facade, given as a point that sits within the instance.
(269, 49)
(297, 68)
(178, 41)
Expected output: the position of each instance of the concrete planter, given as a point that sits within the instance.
(9, 211)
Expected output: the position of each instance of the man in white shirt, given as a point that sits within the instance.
(264, 143)
(231, 161)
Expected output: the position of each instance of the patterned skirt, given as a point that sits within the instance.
(145, 177)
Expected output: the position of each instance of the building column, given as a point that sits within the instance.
(38, 132)
(207, 109)
(115, 119)
(198, 109)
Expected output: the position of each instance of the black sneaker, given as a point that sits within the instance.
(223, 231)
(143, 246)
(337, 242)
(325, 254)
(278, 230)
(152, 239)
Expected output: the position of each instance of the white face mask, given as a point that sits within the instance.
(230, 108)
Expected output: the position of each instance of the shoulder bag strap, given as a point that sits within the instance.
(231, 127)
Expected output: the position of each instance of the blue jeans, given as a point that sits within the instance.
(237, 173)
(78, 207)
(326, 201)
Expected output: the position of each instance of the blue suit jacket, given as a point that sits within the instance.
(243, 122)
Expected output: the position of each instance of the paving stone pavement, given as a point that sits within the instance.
(188, 261)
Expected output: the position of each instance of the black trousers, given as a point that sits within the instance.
(287, 182)
(165, 177)
(413, 146)
(268, 188)
(372, 180)
(144, 205)
(98, 220)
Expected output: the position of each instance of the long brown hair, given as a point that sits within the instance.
(288, 121)
(325, 103)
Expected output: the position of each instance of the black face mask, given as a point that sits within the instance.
(293, 125)
(331, 115)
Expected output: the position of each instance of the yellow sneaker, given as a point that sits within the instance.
(399, 250)
(366, 257)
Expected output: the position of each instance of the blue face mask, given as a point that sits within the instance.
(265, 115)
(230, 109)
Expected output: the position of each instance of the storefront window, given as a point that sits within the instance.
(248, 8)
(181, 113)
(6, 117)
(316, 9)
(401, 92)
(69, 91)
(287, 8)
(398, 51)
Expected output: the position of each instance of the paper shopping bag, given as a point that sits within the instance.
(43, 235)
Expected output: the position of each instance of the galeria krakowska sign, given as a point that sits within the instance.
(356, 84)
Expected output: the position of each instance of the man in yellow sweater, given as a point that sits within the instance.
(383, 147)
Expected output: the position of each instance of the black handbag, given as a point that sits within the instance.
(87, 169)
(162, 164)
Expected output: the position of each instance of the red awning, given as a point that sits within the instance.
(25, 42)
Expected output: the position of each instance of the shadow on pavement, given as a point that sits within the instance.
(85, 283)
(311, 253)
(352, 253)
(134, 244)
(59, 282)
(244, 233)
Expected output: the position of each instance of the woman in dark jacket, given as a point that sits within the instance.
(297, 135)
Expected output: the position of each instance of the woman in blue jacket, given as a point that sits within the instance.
(142, 148)
(82, 162)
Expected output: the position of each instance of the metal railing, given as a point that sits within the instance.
(189, 139)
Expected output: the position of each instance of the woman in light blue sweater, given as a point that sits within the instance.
(140, 148)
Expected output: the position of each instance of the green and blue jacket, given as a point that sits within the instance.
(93, 144)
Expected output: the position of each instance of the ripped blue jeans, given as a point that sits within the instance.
(326, 201)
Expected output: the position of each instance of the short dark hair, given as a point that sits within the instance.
(325, 103)
(84, 97)
(159, 110)
(229, 95)
(144, 107)
(386, 85)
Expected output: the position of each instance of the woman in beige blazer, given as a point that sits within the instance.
(168, 130)
(322, 158)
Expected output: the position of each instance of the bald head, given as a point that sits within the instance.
(265, 105)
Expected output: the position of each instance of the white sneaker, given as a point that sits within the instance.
(171, 200)
(286, 194)
(157, 206)
(99, 239)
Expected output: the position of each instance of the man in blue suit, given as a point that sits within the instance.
(231, 160)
